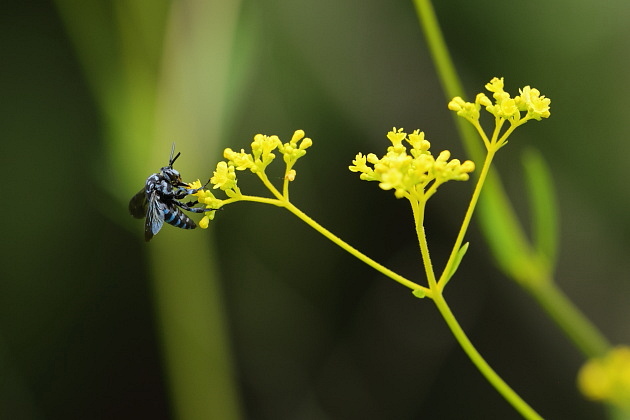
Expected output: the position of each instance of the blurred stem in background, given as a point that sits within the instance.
(159, 73)
(531, 264)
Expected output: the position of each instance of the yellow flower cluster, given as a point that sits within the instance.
(413, 173)
(608, 378)
(262, 154)
(530, 101)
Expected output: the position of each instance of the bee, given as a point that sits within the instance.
(158, 201)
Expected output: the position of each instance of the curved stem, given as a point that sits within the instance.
(282, 201)
(495, 380)
(356, 253)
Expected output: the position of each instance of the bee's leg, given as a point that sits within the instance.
(182, 186)
(181, 192)
(188, 207)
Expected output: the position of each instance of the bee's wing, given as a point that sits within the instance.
(138, 205)
(155, 217)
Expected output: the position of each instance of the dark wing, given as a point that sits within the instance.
(155, 217)
(138, 205)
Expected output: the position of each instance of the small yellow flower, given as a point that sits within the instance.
(495, 85)
(204, 222)
(396, 136)
(482, 99)
(194, 185)
(241, 160)
(465, 109)
(224, 176)
(262, 150)
(359, 164)
(530, 100)
(293, 150)
(608, 378)
(419, 145)
(297, 136)
(505, 106)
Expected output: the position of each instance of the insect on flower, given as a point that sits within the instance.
(158, 201)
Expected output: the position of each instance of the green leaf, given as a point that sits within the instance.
(543, 207)
(419, 293)
(458, 259)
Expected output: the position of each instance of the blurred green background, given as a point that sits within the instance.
(311, 333)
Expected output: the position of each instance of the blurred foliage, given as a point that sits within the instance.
(323, 336)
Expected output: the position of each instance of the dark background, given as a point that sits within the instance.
(314, 333)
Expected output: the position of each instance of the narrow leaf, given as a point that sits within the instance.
(458, 259)
(543, 207)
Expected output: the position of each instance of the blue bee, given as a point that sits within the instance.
(158, 201)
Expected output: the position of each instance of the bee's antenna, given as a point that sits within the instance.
(173, 159)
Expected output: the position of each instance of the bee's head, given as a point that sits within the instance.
(172, 175)
(168, 172)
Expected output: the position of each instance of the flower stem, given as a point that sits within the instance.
(467, 218)
(418, 215)
(283, 201)
(495, 380)
(355, 252)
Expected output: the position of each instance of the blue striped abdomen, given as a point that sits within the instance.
(175, 217)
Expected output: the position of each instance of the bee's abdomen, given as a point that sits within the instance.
(174, 216)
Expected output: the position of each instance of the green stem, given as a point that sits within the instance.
(503, 388)
(283, 201)
(418, 215)
(192, 322)
(353, 251)
(515, 256)
(438, 48)
(575, 325)
(467, 218)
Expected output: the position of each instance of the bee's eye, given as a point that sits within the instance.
(170, 174)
